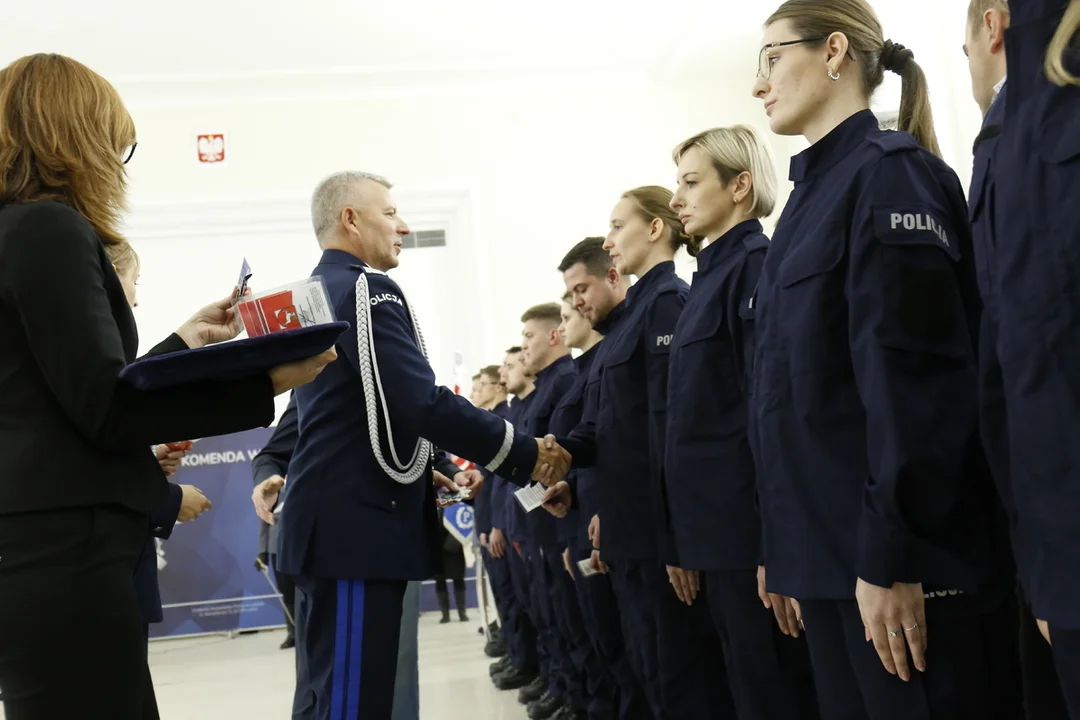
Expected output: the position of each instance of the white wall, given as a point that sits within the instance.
(531, 172)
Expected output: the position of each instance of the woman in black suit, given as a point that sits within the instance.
(77, 476)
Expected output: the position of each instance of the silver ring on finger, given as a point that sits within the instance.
(894, 633)
(912, 628)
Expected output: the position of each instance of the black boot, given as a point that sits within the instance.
(444, 605)
(459, 598)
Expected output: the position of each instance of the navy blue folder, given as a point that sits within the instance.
(231, 360)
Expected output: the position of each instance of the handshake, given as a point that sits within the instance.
(552, 465)
(552, 461)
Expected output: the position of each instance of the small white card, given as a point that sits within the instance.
(586, 568)
(531, 496)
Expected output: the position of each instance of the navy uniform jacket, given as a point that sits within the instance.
(709, 471)
(513, 514)
(624, 434)
(992, 418)
(273, 460)
(864, 403)
(552, 383)
(346, 516)
(564, 419)
(1038, 302)
(494, 491)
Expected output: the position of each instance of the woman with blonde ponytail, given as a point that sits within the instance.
(863, 408)
(1037, 297)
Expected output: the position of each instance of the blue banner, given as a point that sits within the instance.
(460, 522)
(206, 570)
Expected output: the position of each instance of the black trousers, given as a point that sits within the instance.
(347, 634)
(72, 638)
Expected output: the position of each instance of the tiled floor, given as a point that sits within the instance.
(250, 678)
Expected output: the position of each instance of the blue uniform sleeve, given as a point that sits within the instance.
(659, 330)
(912, 352)
(581, 441)
(274, 458)
(163, 517)
(417, 407)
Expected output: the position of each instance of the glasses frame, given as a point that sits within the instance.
(772, 46)
(130, 153)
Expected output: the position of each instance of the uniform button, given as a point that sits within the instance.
(157, 529)
(393, 504)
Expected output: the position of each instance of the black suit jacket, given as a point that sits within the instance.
(71, 434)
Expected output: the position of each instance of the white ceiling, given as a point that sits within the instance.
(134, 39)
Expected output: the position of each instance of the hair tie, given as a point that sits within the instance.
(895, 57)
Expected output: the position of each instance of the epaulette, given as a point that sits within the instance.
(894, 141)
(756, 242)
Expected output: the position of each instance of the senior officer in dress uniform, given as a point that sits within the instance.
(359, 524)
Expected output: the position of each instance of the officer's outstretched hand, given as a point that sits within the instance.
(552, 461)
(557, 500)
(471, 479)
(265, 496)
(895, 619)
(295, 374)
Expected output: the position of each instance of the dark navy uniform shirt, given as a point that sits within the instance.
(513, 513)
(1037, 223)
(624, 433)
(864, 408)
(564, 419)
(709, 471)
(482, 503)
(347, 517)
(552, 383)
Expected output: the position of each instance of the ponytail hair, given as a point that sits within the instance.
(1061, 45)
(653, 202)
(872, 53)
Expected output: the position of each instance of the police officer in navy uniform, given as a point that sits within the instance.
(491, 396)
(526, 657)
(876, 501)
(725, 185)
(1037, 303)
(682, 657)
(546, 358)
(592, 613)
(1025, 654)
(361, 517)
(598, 292)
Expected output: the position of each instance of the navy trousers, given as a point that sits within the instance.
(1043, 698)
(768, 672)
(603, 623)
(347, 634)
(502, 590)
(524, 654)
(578, 656)
(639, 629)
(690, 658)
(553, 663)
(1067, 661)
(852, 684)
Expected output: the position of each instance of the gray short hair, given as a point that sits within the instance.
(333, 194)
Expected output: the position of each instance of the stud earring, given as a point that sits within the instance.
(833, 76)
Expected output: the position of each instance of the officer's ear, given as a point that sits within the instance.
(657, 230)
(836, 48)
(741, 187)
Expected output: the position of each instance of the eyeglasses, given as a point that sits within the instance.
(130, 153)
(765, 60)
